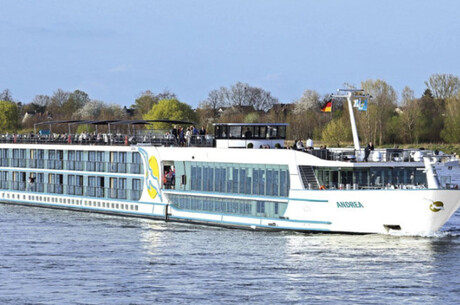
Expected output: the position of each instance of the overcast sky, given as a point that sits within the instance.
(113, 50)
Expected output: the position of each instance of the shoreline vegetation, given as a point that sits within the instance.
(390, 119)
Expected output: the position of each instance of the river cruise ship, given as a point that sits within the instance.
(242, 177)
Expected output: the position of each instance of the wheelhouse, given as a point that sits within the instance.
(250, 135)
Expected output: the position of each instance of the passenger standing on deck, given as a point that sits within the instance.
(299, 145)
(169, 177)
(309, 143)
(367, 151)
(174, 132)
(195, 134)
(181, 136)
(202, 134)
(188, 136)
(165, 180)
(32, 183)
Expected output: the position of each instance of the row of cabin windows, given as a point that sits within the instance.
(80, 202)
(249, 179)
(375, 177)
(229, 206)
(92, 186)
(112, 161)
(250, 132)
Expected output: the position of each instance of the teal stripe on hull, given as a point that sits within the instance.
(250, 225)
(254, 217)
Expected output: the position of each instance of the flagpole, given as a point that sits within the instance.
(354, 130)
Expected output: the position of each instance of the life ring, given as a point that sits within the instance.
(322, 187)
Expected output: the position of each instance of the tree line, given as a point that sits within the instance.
(434, 117)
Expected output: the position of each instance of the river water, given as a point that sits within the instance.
(63, 257)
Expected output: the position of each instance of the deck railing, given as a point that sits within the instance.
(110, 139)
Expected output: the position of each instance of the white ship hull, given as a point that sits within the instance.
(384, 211)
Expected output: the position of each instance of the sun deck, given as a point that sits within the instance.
(226, 135)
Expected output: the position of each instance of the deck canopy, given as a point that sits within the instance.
(108, 123)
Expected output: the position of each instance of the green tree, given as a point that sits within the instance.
(252, 117)
(170, 109)
(431, 118)
(451, 131)
(384, 99)
(54, 107)
(336, 132)
(410, 117)
(9, 114)
(74, 102)
(147, 99)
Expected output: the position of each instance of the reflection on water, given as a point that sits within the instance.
(52, 256)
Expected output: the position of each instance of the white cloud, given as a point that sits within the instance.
(122, 68)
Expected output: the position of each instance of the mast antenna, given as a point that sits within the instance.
(352, 94)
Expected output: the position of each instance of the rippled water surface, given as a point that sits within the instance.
(63, 257)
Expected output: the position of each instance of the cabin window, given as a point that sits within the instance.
(221, 132)
(281, 132)
(235, 132)
(260, 207)
(136, 163)
(113, 156)
(4, 180)
(248, 132)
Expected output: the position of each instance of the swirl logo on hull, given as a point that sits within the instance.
(152, 175)
(437, 206)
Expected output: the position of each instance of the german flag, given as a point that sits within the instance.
(327, 107)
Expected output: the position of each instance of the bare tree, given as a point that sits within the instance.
(41, 100)
(260, 99)
(236, 96)
(241, 94)
(407, 95)
(59, 97)
(216, 99)
(309, 101)
(6, 96)
(443, 86)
